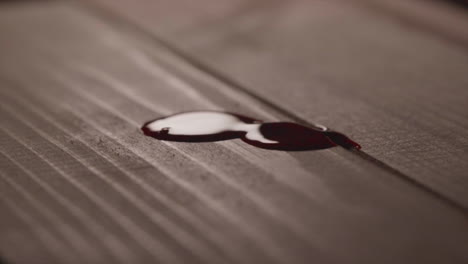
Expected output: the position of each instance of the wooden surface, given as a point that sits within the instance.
(79, 183)
(391, 74)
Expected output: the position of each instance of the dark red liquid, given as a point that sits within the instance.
(208, 126)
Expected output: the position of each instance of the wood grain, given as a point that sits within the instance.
(80, 184)
(395, 80)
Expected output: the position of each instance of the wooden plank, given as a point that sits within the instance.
(444, 18)
(397, 86)
(81, 184)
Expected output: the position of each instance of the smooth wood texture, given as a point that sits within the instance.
(441, 18)
(79, 183)
(393, 80)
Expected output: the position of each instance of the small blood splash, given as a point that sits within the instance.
(208, 126)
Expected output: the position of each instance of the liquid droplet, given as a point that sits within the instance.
(209, 126)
